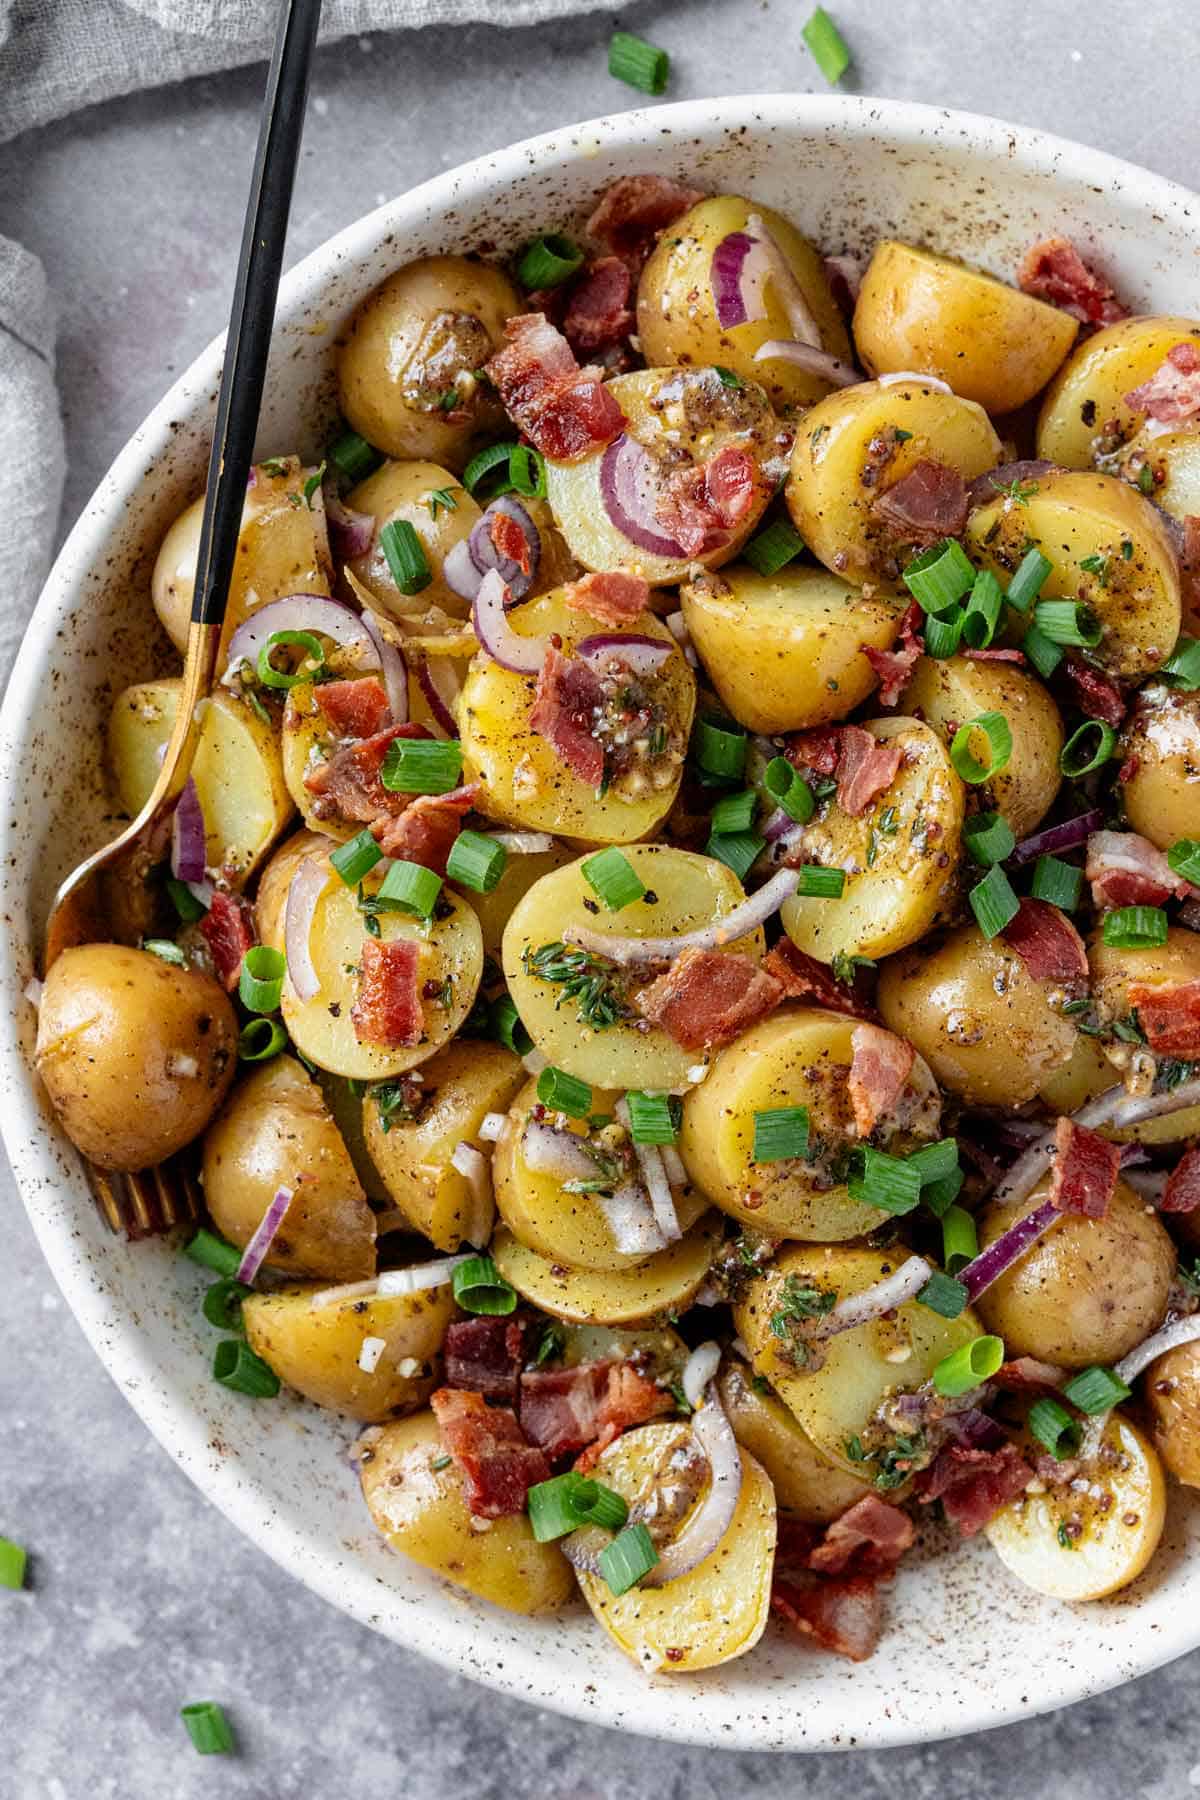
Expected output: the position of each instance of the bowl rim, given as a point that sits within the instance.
(23, 1125)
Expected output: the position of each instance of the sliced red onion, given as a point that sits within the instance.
(847, 269)
(629, 491)
(476, 1171)
(533, 1061)
(737, 275)
(930, 381)
(787, 287)
(1133, 1153)
(491, 1126)
(416, 1280)
(298, 612)
(547, 1150)
(188, 835)
(1067, 836)
(713, 1517)
(673, 1163)
(470, 1162)
(307, 886)
(440, 686)
(32, 991)
(522, 843)
(392, 667)
(699, 1370)
(523, 655)
(1012, 1244)
(654, 1178)
(777, 824)
(641, 654)
(486, 557)
(351, 534)
(753, 912)
(203, 891)
(370, 1353)
(630, 1219)
(459, 571)
(812, 359)
(904, 1283)
(678, 629)
(1168, 1337)
(255, 1253)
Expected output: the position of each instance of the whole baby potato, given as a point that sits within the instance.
(275, 1131)
(1161, 752)
(424, 331)
(1172, 1393)
(1084, 411)
(136, 1053)
(806, 1485)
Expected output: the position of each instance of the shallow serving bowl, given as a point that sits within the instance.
(966, 1646)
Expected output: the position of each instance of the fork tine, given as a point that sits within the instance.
(104, 1193)
(145, 1218)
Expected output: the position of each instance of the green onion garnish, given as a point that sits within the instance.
(943, 1295)
(651, 1119)
(422, 765)
(479, 1287)
(968, 1366)
(1026, 584)
(212, 1252)
(613, 879)
(773, 548)
(727, 377)
(564, 1093)
(826, 45)
(260, 984)
(486, 462)
(1079, 757)
(566, 1502)
(1059, 882)
(816, 883)
(476, 862)
(644, 66)
(995, 728)
(628, 1558)
(1184, 859)
(405, 556)
(734, 812)
(527, 471)
(989, 838)
(941, 1194)
(166, 949)
(13, 1561)
(222, 1303)
(185, 902)
(890, 1183)
(943, 636)
(548, 261)
(1067, 622)
(208, 1728)
(720, 749)
(1095, 1390)
(353, 457)
(1054, 1428)
(960, 1240)
(983, 608)
(272, 677)
(412, 886)
(1044, 655)
(260, 1039)
(993, 902)
(356, 858)
(933, 1162)
(1182, 668)
(788, 789)
(507, 1027)
(235, 1366)
(1135, 927)
(940, 576)
(738, 850)
(780, 1132)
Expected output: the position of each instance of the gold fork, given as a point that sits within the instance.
(97, 900)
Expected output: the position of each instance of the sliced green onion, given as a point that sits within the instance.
(353, 457)
(968, 1366)
(1184, 859)
(989, 838)
(941, 1194)
(826, 45)
(643, 66)
(1054, 1428)
(943, 1295)
(1059, 882)
(993, 902)
(506, 1025)
(1135, 927)
(960, 1239)
(601, 1505)
(940, 576)
(235, 1366)
(477, 862)
(1182, 667)
(357, 858)
(564, 1093)
(222, 1303)
(773, 548)
(405, 555)
(422, 765)
(1077, 757)
(1095, 1390)
(780, 1132)
(479, 1287)
(272, 677)
(995, 728)
(1044, 655)
(260, 984)
(727, 377)
(613, 879)
(166, 950)
(933, 1162)
(566, 1502)
(1068, 622)
(13, 1561)
(527, 471)
(789, 790)
(720, 749)
(208, 1728)
(734, 812)
(260, 1039)
(629, 1557)
(651, 1119)
(1027, 582)
(943, 636)
(983, 608)
(889, 1183)
(738, 850)
(185, 902)
(816, 883)
(212, 1252)
(412, 886)
(486, 462)
(548, 261)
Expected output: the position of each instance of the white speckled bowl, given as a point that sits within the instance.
(966, 1646)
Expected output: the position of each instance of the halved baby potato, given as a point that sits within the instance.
(523, 870)
(441, 512)
(319, 1350)
(786, 651)
(806, 1485)
(900, 856)
(1085, 408)
(685, 892)
(1115, 972)
(798, 1057)
(1173, 460)
(657, 1289)
(1161, 756)
(717, 1611)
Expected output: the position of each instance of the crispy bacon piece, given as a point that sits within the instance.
(1094, 694)
(348, 784)
(633, 210)
(927, 504)
(485, 1355)
(842, 1614)
(1086, 1166)
(1048, 944)
(1025, 1373)
(880, 1065)
(802, 977)
(509, 540)
(1125, 869)
(598, 313)
(869, 1537)
(816, 749)
(1182, 1192)
(709, 997)
(564, 410)
(228, 930)
(702, 506)
(1053, 270)
(387, 1010)
(973, 1485)
(1170, 1018)
(425, 831)
(894, 666)
(567, 1409)
(866, 768)
(1172, 394)
(355, 709)
(612, 597)
(994, 654)
(568, 695)
(498, 1466)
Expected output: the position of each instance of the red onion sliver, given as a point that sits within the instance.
(654, 1179)
(677, 627)
(476, 1171)
(713, 1517)
(752, 912)
(522, 843)
(491, 1125)
(635, 1232)
(307, 886)
(811, 358)
(459, 571)
(673, 1163)
(1167, 1337)
(522, 655)
(550, 1151)
(32, 991)
(904, 1283)
(991, 1263)
(392, 667)
(203, 891)
(737, 275)
(440, 686)
(629, 487)
(641, 654)
(298, 612)
(845, 268)
(393, 1281)
(897, 376)
(351, 534)
(255, 1253)
(1067, 836)
(188, 835)
(699, 1370)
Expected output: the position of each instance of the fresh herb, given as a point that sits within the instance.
(894, 1464)
(845, 967)
(439, 1463)
(797, 1302)
(275, 466)
(1065, 1540)
(394, 1102)
(1019, 493)
(440, 499)
(1097, 566)
(589, 980)
(551, 1345)
(1172, 1073)
(313, 483)
(1145, 479)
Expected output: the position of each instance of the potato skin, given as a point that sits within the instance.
(1088, 1290)
(806, 1485)
(136, 1053)
(785, 651)
(1161, 748)
(275, 1131)
(991, 343)
(1172, 1394)
(435, 319)
(316, 1349)
(987, 1029)
(1087, 397)
(420, 1510)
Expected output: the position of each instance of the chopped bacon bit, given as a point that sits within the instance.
(1095, 695)
(870, 1536)
(997, 655)
(816, 749)
(927, 504)
(843, 1614)
(1170, 1018)
(866, 768)
(485, 1355)
(509, 540)
(228, 930)
(1172, 394)
(880, 1066)
(612, 597)
(565, 1409)
(564, 410)
(1026, 1372)
(355, 709)
(1053, 270)
(1189, 570)
(425, 831)
(598, 313)
(1086, 1167)
(348, 785)
(709, 997)
(1125, 869)
(1048, 944)
(1182, 1192)
(633, 210)
(894, 666)
(498, 1466)
(703, 505)
(1128, 769)
(802, 977)
(564, 712)
(387, 1010)
(973, 1485)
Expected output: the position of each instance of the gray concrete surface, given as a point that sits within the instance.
(141, 1595)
